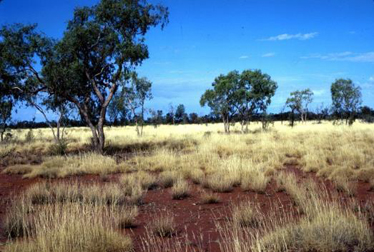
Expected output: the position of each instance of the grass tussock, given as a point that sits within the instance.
(220, 182)
(163, 225)
(254, 181)
(245, 214)
(126, 216)
(209, 198)
(167, 179)
(180, 189)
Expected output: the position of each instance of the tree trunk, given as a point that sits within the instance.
(137, 127)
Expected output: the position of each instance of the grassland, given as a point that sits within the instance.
(306, 188)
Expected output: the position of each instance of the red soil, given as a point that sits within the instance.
(195, 220)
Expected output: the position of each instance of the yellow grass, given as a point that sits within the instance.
(172, 156)
(68, 217)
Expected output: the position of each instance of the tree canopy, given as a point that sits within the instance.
(346, 99)
(239, 94)
(299, 101)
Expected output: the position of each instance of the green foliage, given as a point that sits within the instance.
(101, 46)
(346, 99)
(238, 94)
(299, 101)
(180, 114)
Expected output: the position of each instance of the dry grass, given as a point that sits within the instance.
(163, 225)
(197, 176)
(60, 167)
(245, 214)
(344, 185)
(219, 162)
(126, 216)
(180, 190)
(325, 226)
(219, 182)
(167, 179)
(254, 181)
(72, 227)
(209, 198)
(331, 230)
(74, 192)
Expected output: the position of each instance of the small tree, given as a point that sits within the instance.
(299, 101)
(346, 100)
(134, 97)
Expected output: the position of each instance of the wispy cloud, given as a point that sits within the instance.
(244, 57)
(267, 55)
(286, 36)
(344, 56)
(371, 78)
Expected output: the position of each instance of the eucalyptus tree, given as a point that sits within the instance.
(100, 46)
(299, 102)
(241, 95)
(253, 95)
(134, 96)
(346, 99)
(221, 98)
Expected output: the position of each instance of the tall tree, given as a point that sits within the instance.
(101, 45)
(346, 99)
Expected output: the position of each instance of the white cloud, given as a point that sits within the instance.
(371, 78)
(299, 36)
(344, 56)
(244, 57)
(266, 55)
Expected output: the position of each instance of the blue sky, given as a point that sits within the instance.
(299, 43)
